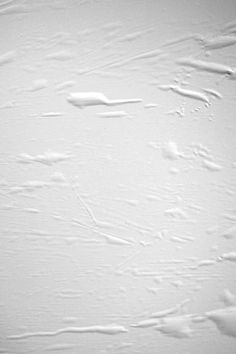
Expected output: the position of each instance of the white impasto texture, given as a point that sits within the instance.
(117, 180)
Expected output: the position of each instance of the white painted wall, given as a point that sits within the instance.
(117, 180)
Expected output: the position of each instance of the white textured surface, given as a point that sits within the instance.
(117, 181)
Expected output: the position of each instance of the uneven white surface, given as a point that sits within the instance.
(117, 180)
